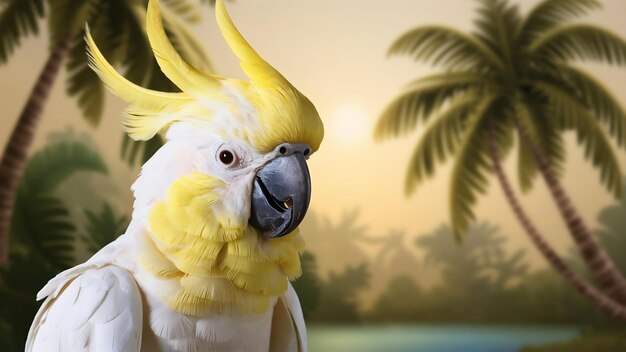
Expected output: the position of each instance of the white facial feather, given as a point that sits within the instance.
(195, 146)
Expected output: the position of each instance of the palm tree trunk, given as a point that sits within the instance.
(16, 151)
(608, 277)
(603, 301)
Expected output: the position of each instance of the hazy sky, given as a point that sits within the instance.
(335, 53)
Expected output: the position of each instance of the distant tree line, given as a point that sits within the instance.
(479, 283)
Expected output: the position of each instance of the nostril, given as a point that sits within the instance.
(307, 152)
(282, 150)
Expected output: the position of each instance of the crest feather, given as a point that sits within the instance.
(284, 114)
(258, 70)
(182, 74)
(144, 104)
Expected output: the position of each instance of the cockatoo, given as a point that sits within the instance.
(206, 261)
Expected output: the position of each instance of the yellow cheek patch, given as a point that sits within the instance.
(219, 263)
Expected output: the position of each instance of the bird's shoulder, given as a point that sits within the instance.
(89, 307)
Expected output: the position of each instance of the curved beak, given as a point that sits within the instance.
(281, 195)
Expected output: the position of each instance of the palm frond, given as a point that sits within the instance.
(531, 115)
(599, 151)
(503, 130)
(424, 97)
(186, 44)
(40, 220)
(594, 95)
(498, 25)
(141, 67)
(184, 8)
(523, 113)
(439, 140)
(20, 282)
(103, 227)
(47, 228)
(526, 169)
(18, 19)
(68, 17)
(580, 42)
(122, 18)
(448, 79)
(42, 231)
(471, 165)
(569, 113)
(135, 52)
(552, 146)
(447, 47)
(52, 165)
(82, 82)
(139, 151)
(550, 13)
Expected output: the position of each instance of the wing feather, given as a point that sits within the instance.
(288, 327)
(92, 309)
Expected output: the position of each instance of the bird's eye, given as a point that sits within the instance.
(230, 156)
(227, 157)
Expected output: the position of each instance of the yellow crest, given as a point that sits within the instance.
(283, 113)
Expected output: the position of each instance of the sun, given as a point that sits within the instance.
(348, 125)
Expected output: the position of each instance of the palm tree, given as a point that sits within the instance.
(43, 234)
(339, 298)
(392, 259)
(391, 246)
(336, 245)
(464, 267)
(119, 23)
(514, 76)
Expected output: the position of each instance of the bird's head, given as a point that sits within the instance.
(231, 181)
(252, 138)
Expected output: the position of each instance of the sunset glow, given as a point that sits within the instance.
(349, 125)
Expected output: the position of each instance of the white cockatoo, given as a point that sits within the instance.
(206, 261)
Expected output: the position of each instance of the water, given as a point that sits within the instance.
(428, 338)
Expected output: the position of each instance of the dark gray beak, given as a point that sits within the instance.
(281, 195)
